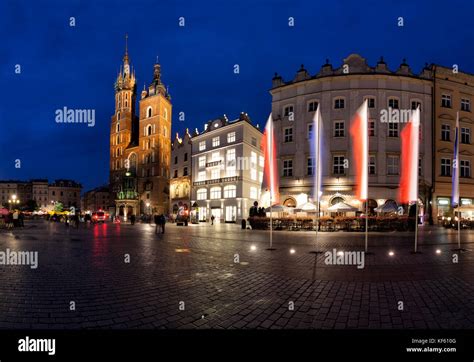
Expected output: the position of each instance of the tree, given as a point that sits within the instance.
(58, 207)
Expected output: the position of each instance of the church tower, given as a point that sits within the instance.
(155, 145)
(123, 130)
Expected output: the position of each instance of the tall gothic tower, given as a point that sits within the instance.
(140, 147)
(155, 144)
(124, 122)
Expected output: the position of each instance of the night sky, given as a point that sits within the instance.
(76, 66)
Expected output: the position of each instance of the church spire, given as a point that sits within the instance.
(125, 57)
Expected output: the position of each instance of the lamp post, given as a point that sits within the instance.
(148, 212)
(13, 201)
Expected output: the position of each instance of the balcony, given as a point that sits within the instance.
(218, 181)
(213, 163)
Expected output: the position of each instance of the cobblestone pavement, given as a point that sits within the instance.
(194, 267)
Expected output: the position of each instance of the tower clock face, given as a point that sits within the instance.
(127, 69)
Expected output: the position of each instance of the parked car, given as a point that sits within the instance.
(98, 217)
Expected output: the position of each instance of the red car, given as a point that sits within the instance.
(98, 216)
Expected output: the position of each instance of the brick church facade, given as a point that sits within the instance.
(140, 145)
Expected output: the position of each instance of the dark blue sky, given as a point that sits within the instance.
(76, 66)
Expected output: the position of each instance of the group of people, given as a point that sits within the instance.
(160, 221)
(14, 219)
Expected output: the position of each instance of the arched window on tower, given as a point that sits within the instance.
(126, 104)
(149, 130)
(149, 112)
(118, 140)
(165, 131)
(165, 114)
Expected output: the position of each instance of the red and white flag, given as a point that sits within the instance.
(270, 180)
(360, 141)
(410, 154)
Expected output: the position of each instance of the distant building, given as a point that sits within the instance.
(45, 194)
(180, 181)
(96, 199)
(67, 192)
(227, 169)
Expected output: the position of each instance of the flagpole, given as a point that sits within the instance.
(416, 220)
(367, 170)
(459, 227)
(271, 186)
(416, 184)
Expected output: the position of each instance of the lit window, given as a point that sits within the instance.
(253, 193)
(216, 141)
(202, 194)
(215, 193)
(202, 145)
(231, 137)
(230, 191)
(215, 173)
(201, 175)
(202, 161)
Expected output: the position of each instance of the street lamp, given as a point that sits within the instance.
(13, 201)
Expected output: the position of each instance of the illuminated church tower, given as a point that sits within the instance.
(140, 147)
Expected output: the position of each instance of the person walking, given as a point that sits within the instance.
(21, 219)
(15, 218)
(156, 219)
(132, 219)
(212, 219)
(163, 222)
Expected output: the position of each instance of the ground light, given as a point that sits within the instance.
(253, 248)
(438, 251)
(391, 253)
(292, 251)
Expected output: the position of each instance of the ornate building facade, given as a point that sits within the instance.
(339, 92)
(180, 182)
(140, 145)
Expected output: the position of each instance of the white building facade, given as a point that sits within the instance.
(227, 170)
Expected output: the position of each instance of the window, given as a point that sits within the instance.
(370, 102)
(339, 129)
(261, 161)
(201, 175)
(372, 162)
(253, 174)
(392, 129)
(371, 128)
(148, 130)
(309, 132)
(202, 161)
(446, 100)
(465, 168)
(202, 145)
(202, 194)
(185, 157)
(230, 155)
(393, 103)
(445, 132)
(415, 105)
(393, 165)
(288, 134)
(253, 159)
(465, 105)
(149, 112)
(310, 166)
(215, 173)
(338, 165)
(185, 171)
(253, 193)
(339, 103)
(312, 106)
(215, 193)
(175, 160)
(165, 131)
(230, 191)
(215, 156)
(230, 137)
(288, 111)
(465, 135)
(175, 173)
(288, 168)
(445, 167)
(254, 141)
(216, 141)
(118, 127)
(420, 163)
(165, 114)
